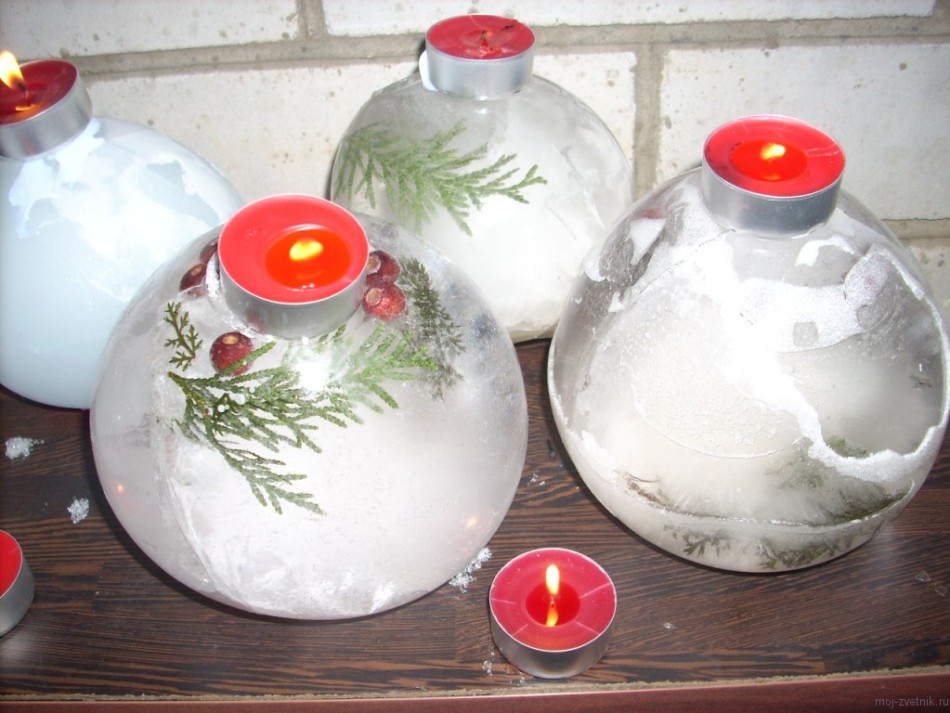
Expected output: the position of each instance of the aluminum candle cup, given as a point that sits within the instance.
(43, 104)
(551, 612)
(16, 583)
(293, 265)
(479, 56)
(771, 174)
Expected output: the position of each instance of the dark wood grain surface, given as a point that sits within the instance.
(108, 628)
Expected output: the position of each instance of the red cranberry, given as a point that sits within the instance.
(230, 348)
(385, 302)
(195, 277)
(381, 269)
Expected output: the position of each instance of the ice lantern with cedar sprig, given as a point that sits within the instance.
(312, 416)
(509, 175)
(89, 207)
(752, 372)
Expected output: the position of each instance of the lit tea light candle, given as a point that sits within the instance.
(43, 104)
(293, 265)
(16, 583)
(478, 56)
(551, 612)
(771, 174)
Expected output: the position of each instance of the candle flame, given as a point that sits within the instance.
(305, 249)
(772, 150)
(10, 73)
(552, 578)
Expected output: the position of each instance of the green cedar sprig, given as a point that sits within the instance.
(269, 407)
(435, 327)
(421, 176)
(186, 340)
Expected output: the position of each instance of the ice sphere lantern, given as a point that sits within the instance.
(751, 372)
(309, 415)
(89, 207)
(509, 175)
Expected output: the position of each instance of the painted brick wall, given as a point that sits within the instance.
(265, 88)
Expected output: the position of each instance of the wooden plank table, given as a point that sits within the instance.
(110, 631)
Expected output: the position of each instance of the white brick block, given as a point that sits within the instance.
(276, 130)
(45, 28)
(605, 82)
(888, 106)
(934, 258)
(384, 17)
(270, 131)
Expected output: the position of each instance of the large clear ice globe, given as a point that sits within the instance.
(331, 476)
(749, 402)
(514, 189)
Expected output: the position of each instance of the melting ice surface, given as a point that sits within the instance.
(408, 495)
(798, 383)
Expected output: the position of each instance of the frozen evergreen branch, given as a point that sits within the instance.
(186, 340)
(435, 327)
(386, 355)
(421, 176)
(269, 407)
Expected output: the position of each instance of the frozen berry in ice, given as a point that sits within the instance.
(384, 302)
(381, 269)
(229, 349)
(195, 277)
(208, 251)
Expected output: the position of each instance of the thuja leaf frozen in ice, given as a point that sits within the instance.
(435, 326)
(186, 340)
(421, 176)
(268, 406)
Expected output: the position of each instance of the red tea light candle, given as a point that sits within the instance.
(771, 174)
(479, 56)
(43, 104)
(16, 583)
(551, 612)
(293, 265)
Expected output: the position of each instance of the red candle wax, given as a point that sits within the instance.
(480, 37)
(520, 602)
(11, 561)
(16, 583)
(44, 83)
(293, 249)
(308, 256)
(774, 156)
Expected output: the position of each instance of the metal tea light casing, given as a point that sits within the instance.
(752, 372)
(509, 175)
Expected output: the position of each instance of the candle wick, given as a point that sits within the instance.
(21, 85)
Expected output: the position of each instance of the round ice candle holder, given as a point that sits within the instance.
(510, 176)
(89, 208)
(293, 265)
(16, 583)
(551, 612)
(752, 372)
(282, 408)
